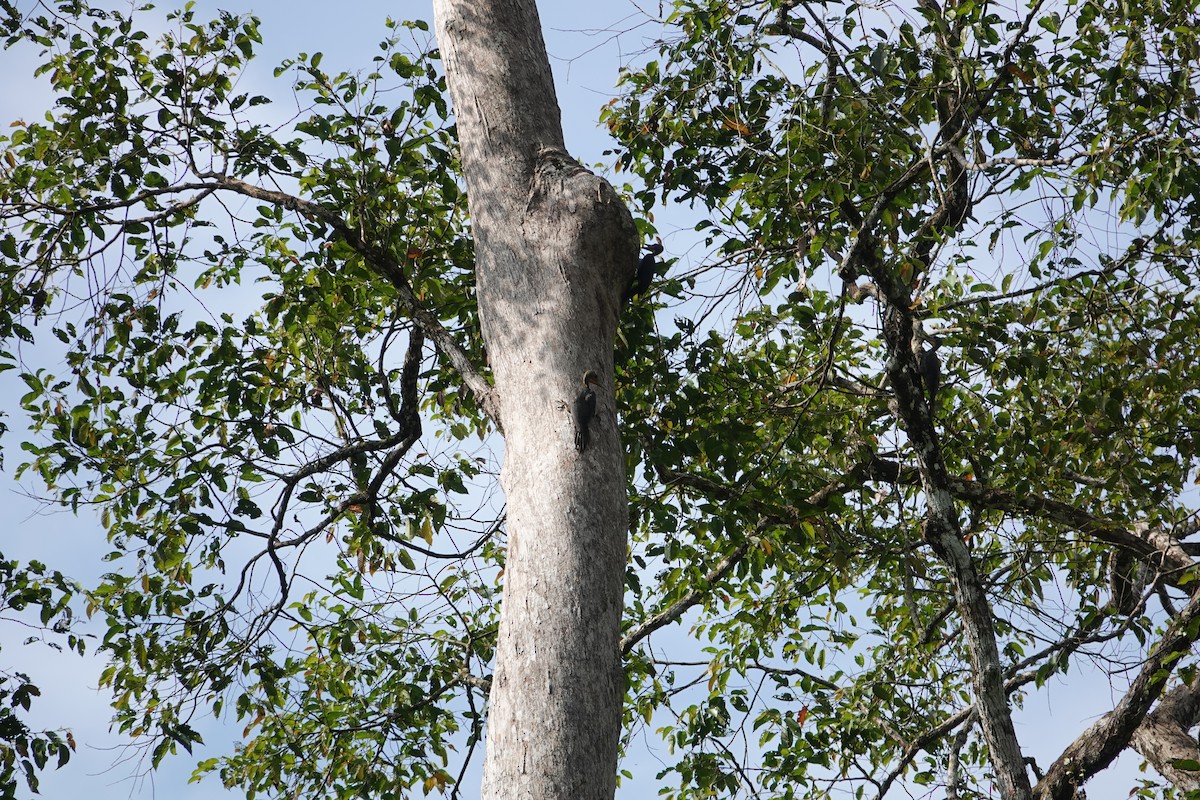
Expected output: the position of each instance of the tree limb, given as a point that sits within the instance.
(1096, 747)
(1164, 736)
(386, 266)
(1151, 544)
(689, 599)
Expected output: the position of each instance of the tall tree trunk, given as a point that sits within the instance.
(555, 245)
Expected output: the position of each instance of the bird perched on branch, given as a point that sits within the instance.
(925, 347)
(645, 272)
(584, 409)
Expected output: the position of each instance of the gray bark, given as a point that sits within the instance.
(1103, 741)
(554, 247)
(944, 534)
(1164, 736)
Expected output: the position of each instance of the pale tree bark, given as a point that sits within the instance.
(554, 245)
(1164, 737)
(944, 535)
(941, 528)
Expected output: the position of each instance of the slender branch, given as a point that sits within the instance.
(771, 515)
(1090, 273)
(797, 671)
(956, 746)
(387, 267)
(1096, 747)
(318, 465)
(1015, 161)
(689, 599)
(776, 513)
(202, 189)
(1151, 544)
(1148, 543)
(488, 534)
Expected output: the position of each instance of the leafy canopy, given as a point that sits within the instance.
(300, 498)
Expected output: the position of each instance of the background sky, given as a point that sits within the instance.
(587, 42)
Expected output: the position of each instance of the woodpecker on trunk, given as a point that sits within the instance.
(584, 409)
(931, 374)
(925, 347)
(645, 273)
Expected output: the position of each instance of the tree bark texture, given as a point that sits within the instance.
(554, 247)
(1163, 738)
(944, 535)
(1103, 741)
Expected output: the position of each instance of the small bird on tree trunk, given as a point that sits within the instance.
(584, 409)
(645, 273)
(931, 374)
(925, 347)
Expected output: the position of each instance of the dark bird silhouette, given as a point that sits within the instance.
(584, 409)
(931, 373)
(645, 273)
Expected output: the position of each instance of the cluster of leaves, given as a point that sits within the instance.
(27, 588)
(243, 393)
(1010, 170)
